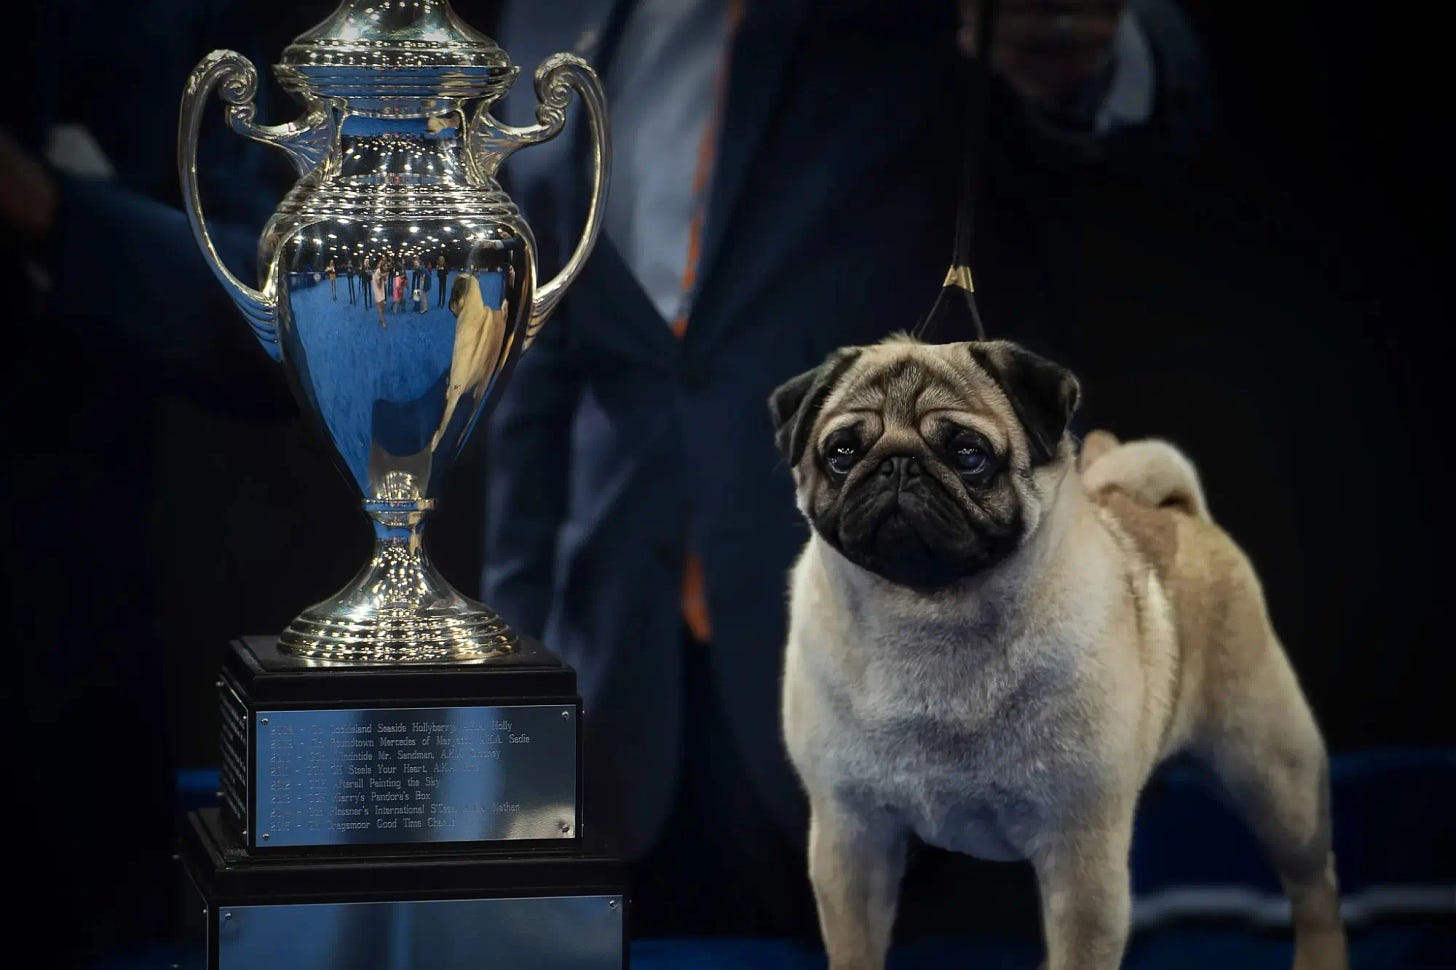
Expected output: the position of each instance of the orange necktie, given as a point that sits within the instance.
(694, 592)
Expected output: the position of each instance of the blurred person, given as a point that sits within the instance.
(333, 274)
(424, 285)
(366, 280)
(349, 273)
(378, 284)
(400, 282)
(419, 284)
(442, 275)
(640, 521)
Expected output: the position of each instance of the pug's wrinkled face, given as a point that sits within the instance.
(463, 292)
(918, 461)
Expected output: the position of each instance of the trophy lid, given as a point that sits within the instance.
(396, 57)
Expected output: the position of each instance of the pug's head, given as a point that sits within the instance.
(924, 463)
(464, 293)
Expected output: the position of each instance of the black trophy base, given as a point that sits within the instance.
(326, 759)
(547, 909)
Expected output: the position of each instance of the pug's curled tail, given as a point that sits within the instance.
(1150, 471)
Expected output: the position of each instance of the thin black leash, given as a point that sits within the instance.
(955, 307)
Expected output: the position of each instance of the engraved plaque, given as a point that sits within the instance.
(534, 933)
(419, 774)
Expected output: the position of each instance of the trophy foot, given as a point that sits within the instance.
(398, 610)
(338, 633)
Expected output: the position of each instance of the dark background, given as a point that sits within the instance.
(1275, 310)
(1303, 378)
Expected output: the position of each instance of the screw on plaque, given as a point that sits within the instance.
(565, 828)
(611, 904)
(262, 720)
(264, 836)
(227, 915)
(566, 715)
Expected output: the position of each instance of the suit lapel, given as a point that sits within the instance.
(762, 51)
(631, 324)
(624, 318)
(597, 44)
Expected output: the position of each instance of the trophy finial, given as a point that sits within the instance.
(413, 49)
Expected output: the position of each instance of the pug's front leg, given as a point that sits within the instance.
(1086, 896)
(856, 859)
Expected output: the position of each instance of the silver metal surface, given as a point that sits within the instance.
(535, 933)
(397, 154)
(377, 776)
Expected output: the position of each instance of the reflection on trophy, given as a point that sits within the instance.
(400, 769)
(479, 332)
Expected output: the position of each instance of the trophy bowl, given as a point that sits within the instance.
(397, 284)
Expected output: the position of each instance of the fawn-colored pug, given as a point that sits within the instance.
(480, 332)
(994, 640)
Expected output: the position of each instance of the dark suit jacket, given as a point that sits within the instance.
(617, 447)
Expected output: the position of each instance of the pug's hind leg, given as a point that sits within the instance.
(1086, 895)
(1266, 749)
(856, 860)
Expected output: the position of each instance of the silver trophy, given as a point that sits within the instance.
(397, 283)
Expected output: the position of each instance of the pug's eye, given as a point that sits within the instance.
(971, 460)
(971, 457)
(840, 455)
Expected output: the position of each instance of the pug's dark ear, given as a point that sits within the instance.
(1042, 393)
(797, 402)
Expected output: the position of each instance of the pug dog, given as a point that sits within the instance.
(479, 333)
(993, 640)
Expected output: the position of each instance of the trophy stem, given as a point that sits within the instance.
(398, 609)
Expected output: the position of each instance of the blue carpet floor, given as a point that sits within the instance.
(1407, 948)
(1427, 947)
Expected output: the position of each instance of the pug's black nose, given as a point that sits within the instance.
(900, 468)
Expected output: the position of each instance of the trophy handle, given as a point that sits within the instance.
(489, 142)
(306, 141)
